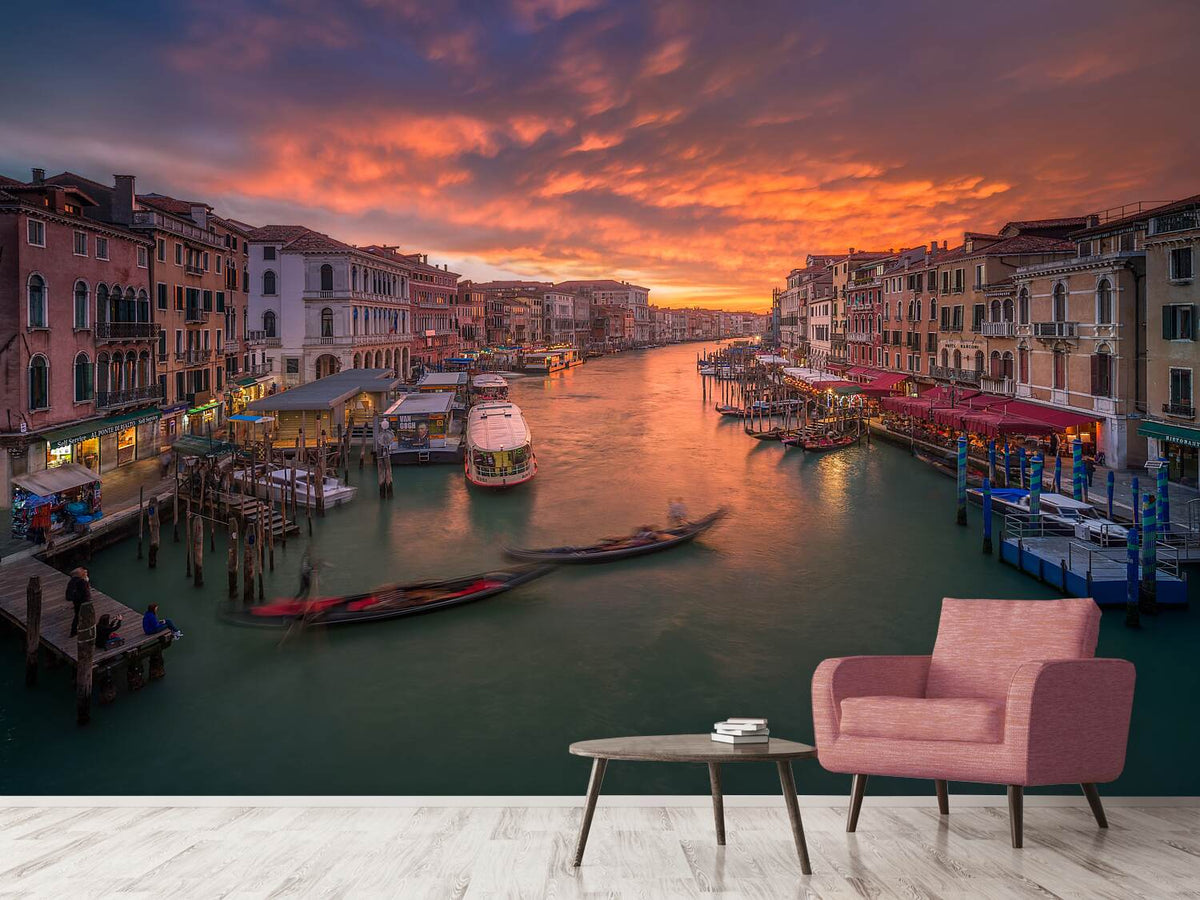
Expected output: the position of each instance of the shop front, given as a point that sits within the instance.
(246, 391)
(101, 445)
(203, 420)
(1179, 445)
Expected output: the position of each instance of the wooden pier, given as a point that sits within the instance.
(53, 627)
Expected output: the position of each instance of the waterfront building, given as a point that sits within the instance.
(559, 317)
(1172, 354)
(470, 311)
(582, 310)
(1080, 332)
(78, 341)
(433, 293)
(607, 292)
(834, 347)
(865, 315)
(318, 305)
(910, 315)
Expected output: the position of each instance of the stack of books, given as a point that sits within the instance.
(740, 730)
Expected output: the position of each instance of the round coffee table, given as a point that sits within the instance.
(696, 748)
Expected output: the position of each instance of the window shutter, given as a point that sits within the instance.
(1168, 323)
(1189, 328)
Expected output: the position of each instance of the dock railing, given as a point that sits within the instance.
(1092, 559)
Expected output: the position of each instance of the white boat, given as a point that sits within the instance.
(489, 386)
(1077, 517)
(279, 482)
(499, 446)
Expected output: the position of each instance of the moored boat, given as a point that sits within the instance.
(611, 549)
(388, 602)
(489, 386)
(499, 450)
(727, 410)
(277, 483)
(829, 442)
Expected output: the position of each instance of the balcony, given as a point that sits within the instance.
(263, 368)
(149, 218)
(262, 339)
(1181, 220)
(999, 329)
(1179, 410)
(1052, 330)
(960, 376)
(195, 315)
(859, 337)
(193, 269)
(151, 393)
(126, 331)
(950, 327)
(193, 357)
(997, 385)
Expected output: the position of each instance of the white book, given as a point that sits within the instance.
(740, 720)
(740, 738)
(739, 729)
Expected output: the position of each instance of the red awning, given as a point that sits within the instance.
(884, 383)
(1060, 419)
(858, 370)
(995, 424)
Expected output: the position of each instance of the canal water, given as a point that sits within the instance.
(821, 556)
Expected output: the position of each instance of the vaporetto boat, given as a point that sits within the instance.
(499, 446)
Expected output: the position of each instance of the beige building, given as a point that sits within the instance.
(1172, 354)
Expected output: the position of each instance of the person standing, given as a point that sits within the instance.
(1089, 467)
(79, 592)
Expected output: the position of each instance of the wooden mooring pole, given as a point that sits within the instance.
(231, 557)
(85, 652)
(33, 628)
(198, 549)
(141, 517)
(152, 522)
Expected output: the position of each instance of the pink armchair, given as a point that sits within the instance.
(1011, 695)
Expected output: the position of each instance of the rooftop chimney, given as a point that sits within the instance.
(200, 215)
(39, 175)
(122, 199)
(933, 246)
(943, 245)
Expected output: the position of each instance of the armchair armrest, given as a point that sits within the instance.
(1068, 719)
(861, 676)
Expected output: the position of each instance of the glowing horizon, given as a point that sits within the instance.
(693, 149)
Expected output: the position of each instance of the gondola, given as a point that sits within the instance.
(836, 442)
(388, 602)
(726, 410)
(624, 547)
(770, 434)
(947, 466)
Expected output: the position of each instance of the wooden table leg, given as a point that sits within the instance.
(714, 778)
(788, 784)
(598, 766)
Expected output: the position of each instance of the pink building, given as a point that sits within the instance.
(75, 334)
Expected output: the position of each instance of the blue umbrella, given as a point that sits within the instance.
(1078, 480)
(987, 515)
(962, 479)
(1112, 487)
(1131, 578)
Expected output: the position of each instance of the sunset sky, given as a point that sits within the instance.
(700, 149)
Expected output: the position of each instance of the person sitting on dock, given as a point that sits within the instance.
(106, 632)
(152, 624)
(79, 592)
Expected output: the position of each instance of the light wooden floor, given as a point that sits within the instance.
(633, 852)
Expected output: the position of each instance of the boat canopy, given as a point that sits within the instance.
(428, 404)
(442, 381)
(496, 427)
(489, 379)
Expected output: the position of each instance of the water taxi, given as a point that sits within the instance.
(421, 428)
(499, 446)
(489, 386)
(547, 362)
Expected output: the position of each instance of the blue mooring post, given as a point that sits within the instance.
(1112, 490)
(1078, 476)
(1164, 502)
(987, 515)
(1021, 465)
(1132, 616)
(1007, 466)
(1057, 474)
(992, 461)
(1148, 601)
(1137, 500)
(1035, 485)
(961, 518)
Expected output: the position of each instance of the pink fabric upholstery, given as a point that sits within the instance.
(919, 719)
(981, 643)
(1065, 718)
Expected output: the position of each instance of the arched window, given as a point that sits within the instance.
(1060, 302)
(103, 373)
(269, 323)
(37, 303)
(327, 322)
(1006, 364)
(354, 280)
(117, 380)
(269, 283)
(39, 383)
(143, 306)
(101, 302)
(932, 309)
(979, 361)
(327, 277)
(995, 311)
(945, 358)
(995, 365)
(957, 359)
(143, 369)
(83, 378)
(1007, 310)
(81, 304)
(1023, 306)
(1023, 365)
(1102, 373)
(357, 361)
(1060, 370)
(1104, 310)
(129, 311)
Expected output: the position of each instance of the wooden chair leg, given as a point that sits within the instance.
(943, 795)
(1093, 799)
(857, 788)
(1016, 815)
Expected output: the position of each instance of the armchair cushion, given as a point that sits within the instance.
(917, 719)
(981, 643)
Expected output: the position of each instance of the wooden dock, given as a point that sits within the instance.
(55, 626)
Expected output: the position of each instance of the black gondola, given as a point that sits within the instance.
(622, 548)
(388, 602)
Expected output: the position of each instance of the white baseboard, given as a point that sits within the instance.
(627, 800)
